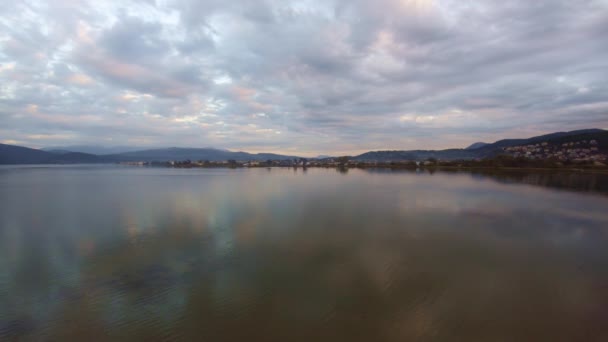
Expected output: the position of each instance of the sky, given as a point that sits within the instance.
(303, 77)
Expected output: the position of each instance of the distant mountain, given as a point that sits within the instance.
(554, 138)
(91, 149)
(476, 145)
(266, 156)
(77, 158)
(10, 154)
(385, 156)
(177, 153)
(488, 150)
(58, 151)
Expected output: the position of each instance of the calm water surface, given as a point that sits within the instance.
(117, 253)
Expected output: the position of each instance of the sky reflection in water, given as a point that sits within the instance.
(137, 253)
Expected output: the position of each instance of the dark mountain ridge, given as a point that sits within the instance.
(553, 138)
(10, 154)
(178, 153)
(91, 149)
(487, 150)
(384, 156)
(476, 145)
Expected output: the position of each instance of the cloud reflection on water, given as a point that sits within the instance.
(240, 254)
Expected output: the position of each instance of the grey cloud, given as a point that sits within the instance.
(314, 76)
(132, 39)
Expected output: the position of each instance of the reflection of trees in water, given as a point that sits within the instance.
(577, 181)
(589, 182)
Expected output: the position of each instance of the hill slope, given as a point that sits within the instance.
(553, 138)
(176, 153)
(385, 156)
(10, 154)
(487, 150)
(88, 149)
(476, 145)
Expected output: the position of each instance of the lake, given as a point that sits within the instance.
(127, 253)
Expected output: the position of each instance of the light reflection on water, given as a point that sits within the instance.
(147, 254)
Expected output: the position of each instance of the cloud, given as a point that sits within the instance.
(309, 77)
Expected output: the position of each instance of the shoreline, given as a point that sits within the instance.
(596, 170)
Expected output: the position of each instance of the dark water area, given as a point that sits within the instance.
(143, 254)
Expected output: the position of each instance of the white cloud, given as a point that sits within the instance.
(329, 76)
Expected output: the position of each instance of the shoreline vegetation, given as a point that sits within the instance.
(501, 162)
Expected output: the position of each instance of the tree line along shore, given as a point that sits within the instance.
(501, 161)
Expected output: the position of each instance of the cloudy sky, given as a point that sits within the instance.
(307, 77)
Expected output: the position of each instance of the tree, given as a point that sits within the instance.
(343, 160)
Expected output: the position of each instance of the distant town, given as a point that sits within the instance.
(579, 151)
(583, 154)
(579, 154)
